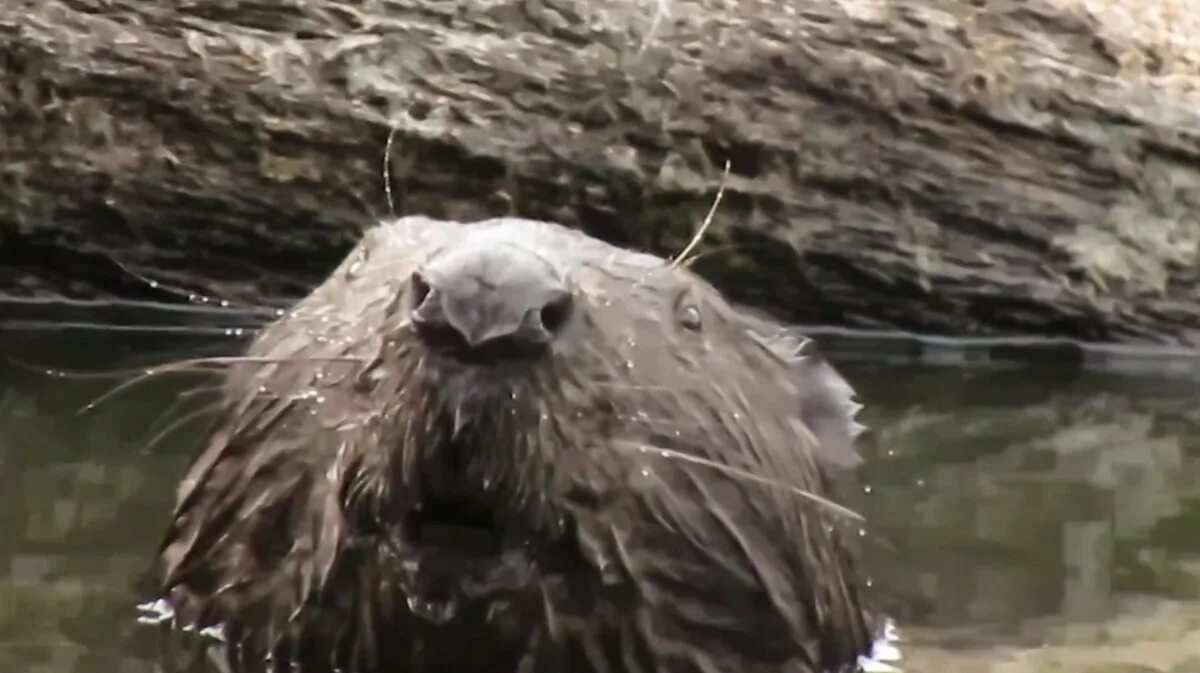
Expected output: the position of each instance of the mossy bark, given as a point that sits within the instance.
(996, 166)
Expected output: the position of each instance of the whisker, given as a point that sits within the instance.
(182, 399)
(193, 365)
(192, 297)
(63, 373)
(263, 359)
(712, 211)
(179, 423)
(662, 10)
(387, 169)
(116, 390)
(179, 365)
(681, 258)
(731, 247)
(737, 472)
(628, 386)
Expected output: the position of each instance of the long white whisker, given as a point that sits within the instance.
(733, 471)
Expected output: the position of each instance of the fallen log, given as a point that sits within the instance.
(949, 166)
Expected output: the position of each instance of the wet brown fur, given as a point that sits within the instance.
(289, 526)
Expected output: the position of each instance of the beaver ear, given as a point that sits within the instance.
(828, 407)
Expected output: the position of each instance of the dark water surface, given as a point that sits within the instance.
(1033, 518)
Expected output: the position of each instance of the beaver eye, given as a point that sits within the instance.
(690, 317)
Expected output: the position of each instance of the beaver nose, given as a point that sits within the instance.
(489, 303)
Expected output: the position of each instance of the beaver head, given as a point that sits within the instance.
(572, 455)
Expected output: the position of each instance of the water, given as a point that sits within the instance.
(1021, 519)
(1036, 519)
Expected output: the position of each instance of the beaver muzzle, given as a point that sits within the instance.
(488, 304)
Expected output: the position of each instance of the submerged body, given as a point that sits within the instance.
(506, 446)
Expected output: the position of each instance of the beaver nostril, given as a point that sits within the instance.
(420, 289)
(554, 314)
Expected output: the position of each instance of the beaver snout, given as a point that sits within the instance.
(486, 304)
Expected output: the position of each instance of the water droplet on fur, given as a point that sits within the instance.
(154, 284)
(608, 573)
(435, 612)
(496, 608)
(629, 364)
(862, 532)
(262, 389)
(224, 303)
(155, 612)
(279, 312)
(867, 489)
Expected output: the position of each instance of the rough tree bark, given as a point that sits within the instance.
(954, 166)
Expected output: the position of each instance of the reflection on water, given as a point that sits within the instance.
(1009, 509)
(1027, 507)
(82, 502)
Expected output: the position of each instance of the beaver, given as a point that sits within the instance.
(505, 445)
